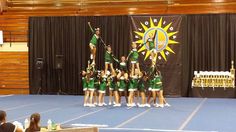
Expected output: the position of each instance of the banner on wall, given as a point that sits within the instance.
(167, 37)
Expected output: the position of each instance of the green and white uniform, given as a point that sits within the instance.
(141, 85)
(133, 83)
(112, 83)
(123, 66)
(91, 84)
(151, 44)
(94, 40)
(122, 84)
(157, 86)
(134, 56)
(85, 84)
(96, 83)
(108, 57)
(150, 84)
(103, 84)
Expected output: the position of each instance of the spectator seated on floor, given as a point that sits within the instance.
(5, 126)
(34, 123)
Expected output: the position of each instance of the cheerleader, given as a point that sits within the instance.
(151, 44)
(122, 78)
(149, 94)
(162, 100)
(93, 43)
(133, 57)
(121, 83)
(157, 87)
(112, 86)
(109, 57)
(141, 89)
(133, 85)
(102, 89)
(122, 66)
(116, 94)
(91, 88)
(150, 78)
(85, 87)
(96, 85)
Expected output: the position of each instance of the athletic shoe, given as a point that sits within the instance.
(141, 105)
(109, 103)
(168, 105)
(100, 104)
(92, 105)
(148, 105)
(104, 104)
(133, 105)
(117, 105)
(128, 105)
(156, 105)
(85, 105)
(114, 102)
(161, 105)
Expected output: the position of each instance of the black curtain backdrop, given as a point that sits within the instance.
(208, 44)
(70, 36)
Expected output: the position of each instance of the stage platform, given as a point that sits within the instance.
(184, 115)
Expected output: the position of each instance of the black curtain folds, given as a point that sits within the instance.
(70, 36)
(208, 44)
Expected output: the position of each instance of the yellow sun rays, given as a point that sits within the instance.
(150, 30)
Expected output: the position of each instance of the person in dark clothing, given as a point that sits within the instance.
(6, 126)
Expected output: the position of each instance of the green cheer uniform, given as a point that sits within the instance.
(151, 44)
(103, 84)
(112, 83)
(108, 57)
(122, 84)
(134, 56)
(133, 83)
(157, 83)
(123, 66)
(84, 83)
(141, 85)
(96, 83)
(150, 84)
(91, 84)
(94, 40)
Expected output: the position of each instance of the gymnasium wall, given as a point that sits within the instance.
(14, 68)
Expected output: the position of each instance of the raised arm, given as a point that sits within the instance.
(114, 58)
(139, 46)
(90, 27)
(129, 55)
(155, 35)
